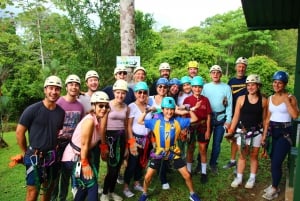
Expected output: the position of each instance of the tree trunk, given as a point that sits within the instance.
(127, 31)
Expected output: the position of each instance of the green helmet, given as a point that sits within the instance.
(141, 86)
(197, 81)
(168, 102)
(185, 79)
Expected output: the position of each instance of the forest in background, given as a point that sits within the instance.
(70, 42)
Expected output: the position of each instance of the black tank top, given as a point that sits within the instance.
(251, 114)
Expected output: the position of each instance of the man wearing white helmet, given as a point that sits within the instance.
(120, 73)
(92, 83)
(220, 98)
(42, 120)
(164, 71)
(238, 88)
(139, 75)
(74, 113)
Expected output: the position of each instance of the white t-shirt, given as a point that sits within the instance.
(135, 113)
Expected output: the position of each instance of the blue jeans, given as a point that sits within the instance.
(280, 149)
(218, 133)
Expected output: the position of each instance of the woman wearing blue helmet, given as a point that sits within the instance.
(283, 107)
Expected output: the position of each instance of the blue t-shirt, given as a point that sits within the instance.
(43, 125)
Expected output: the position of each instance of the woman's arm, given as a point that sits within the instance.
(236, 116)
(292, 106)
(142, 118)
(266, 121)
(86, 136)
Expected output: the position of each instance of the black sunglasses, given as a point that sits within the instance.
(162, 86)
(103, 106)
(142, 92)
(122, 72)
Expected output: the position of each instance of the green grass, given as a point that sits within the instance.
(217, 189)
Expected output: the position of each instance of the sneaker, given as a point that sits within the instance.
(166, 186)
(74, 191)
(128, 193)
(138, 187)
(270, 195)
(269, 189)
(203, 178)
(194, 197)
(100, 190)
(250, 183)
(115, 197)
(229, 165)
(143, 197)
(120, 179)
(104, 197)
(236, 182)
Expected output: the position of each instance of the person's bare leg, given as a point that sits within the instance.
(148, 177)
(32, 193)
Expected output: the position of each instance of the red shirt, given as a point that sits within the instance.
(203, 111)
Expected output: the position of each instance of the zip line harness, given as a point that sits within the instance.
(41, 160)
(78, 179)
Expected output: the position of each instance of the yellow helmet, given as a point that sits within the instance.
(193, 64)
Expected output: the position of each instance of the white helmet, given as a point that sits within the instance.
(72, 78)
(91, 73)
(53, 81)
(121, 85)
(120, 69)
(99, 97)
(139, 68)
(216, 68)
(164, 66)
(253, 78)
(242, 60)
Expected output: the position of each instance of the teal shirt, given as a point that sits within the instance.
(216, 92)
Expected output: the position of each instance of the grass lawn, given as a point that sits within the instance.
(12, 181)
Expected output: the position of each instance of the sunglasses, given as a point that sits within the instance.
(162, 86)
(122, 72)
(101, 106)
(142, 92)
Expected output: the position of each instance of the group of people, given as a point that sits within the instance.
(149, 127)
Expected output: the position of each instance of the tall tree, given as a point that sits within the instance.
(127, 32)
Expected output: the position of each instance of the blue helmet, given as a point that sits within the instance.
(163, 81)
(185, 79)
(141, 86)
(282, 76)
(168, 102)
(197, 81)
(174, 81)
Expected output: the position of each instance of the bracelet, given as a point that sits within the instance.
(84, 162)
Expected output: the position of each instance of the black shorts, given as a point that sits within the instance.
(177, 163)
(201, 138)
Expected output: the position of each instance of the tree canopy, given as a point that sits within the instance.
(85, 35)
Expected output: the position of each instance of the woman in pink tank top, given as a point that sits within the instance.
(77, 154)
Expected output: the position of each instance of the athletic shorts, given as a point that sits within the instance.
(156, 163)
(201, 138)
(37, 175)
(256, 141)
